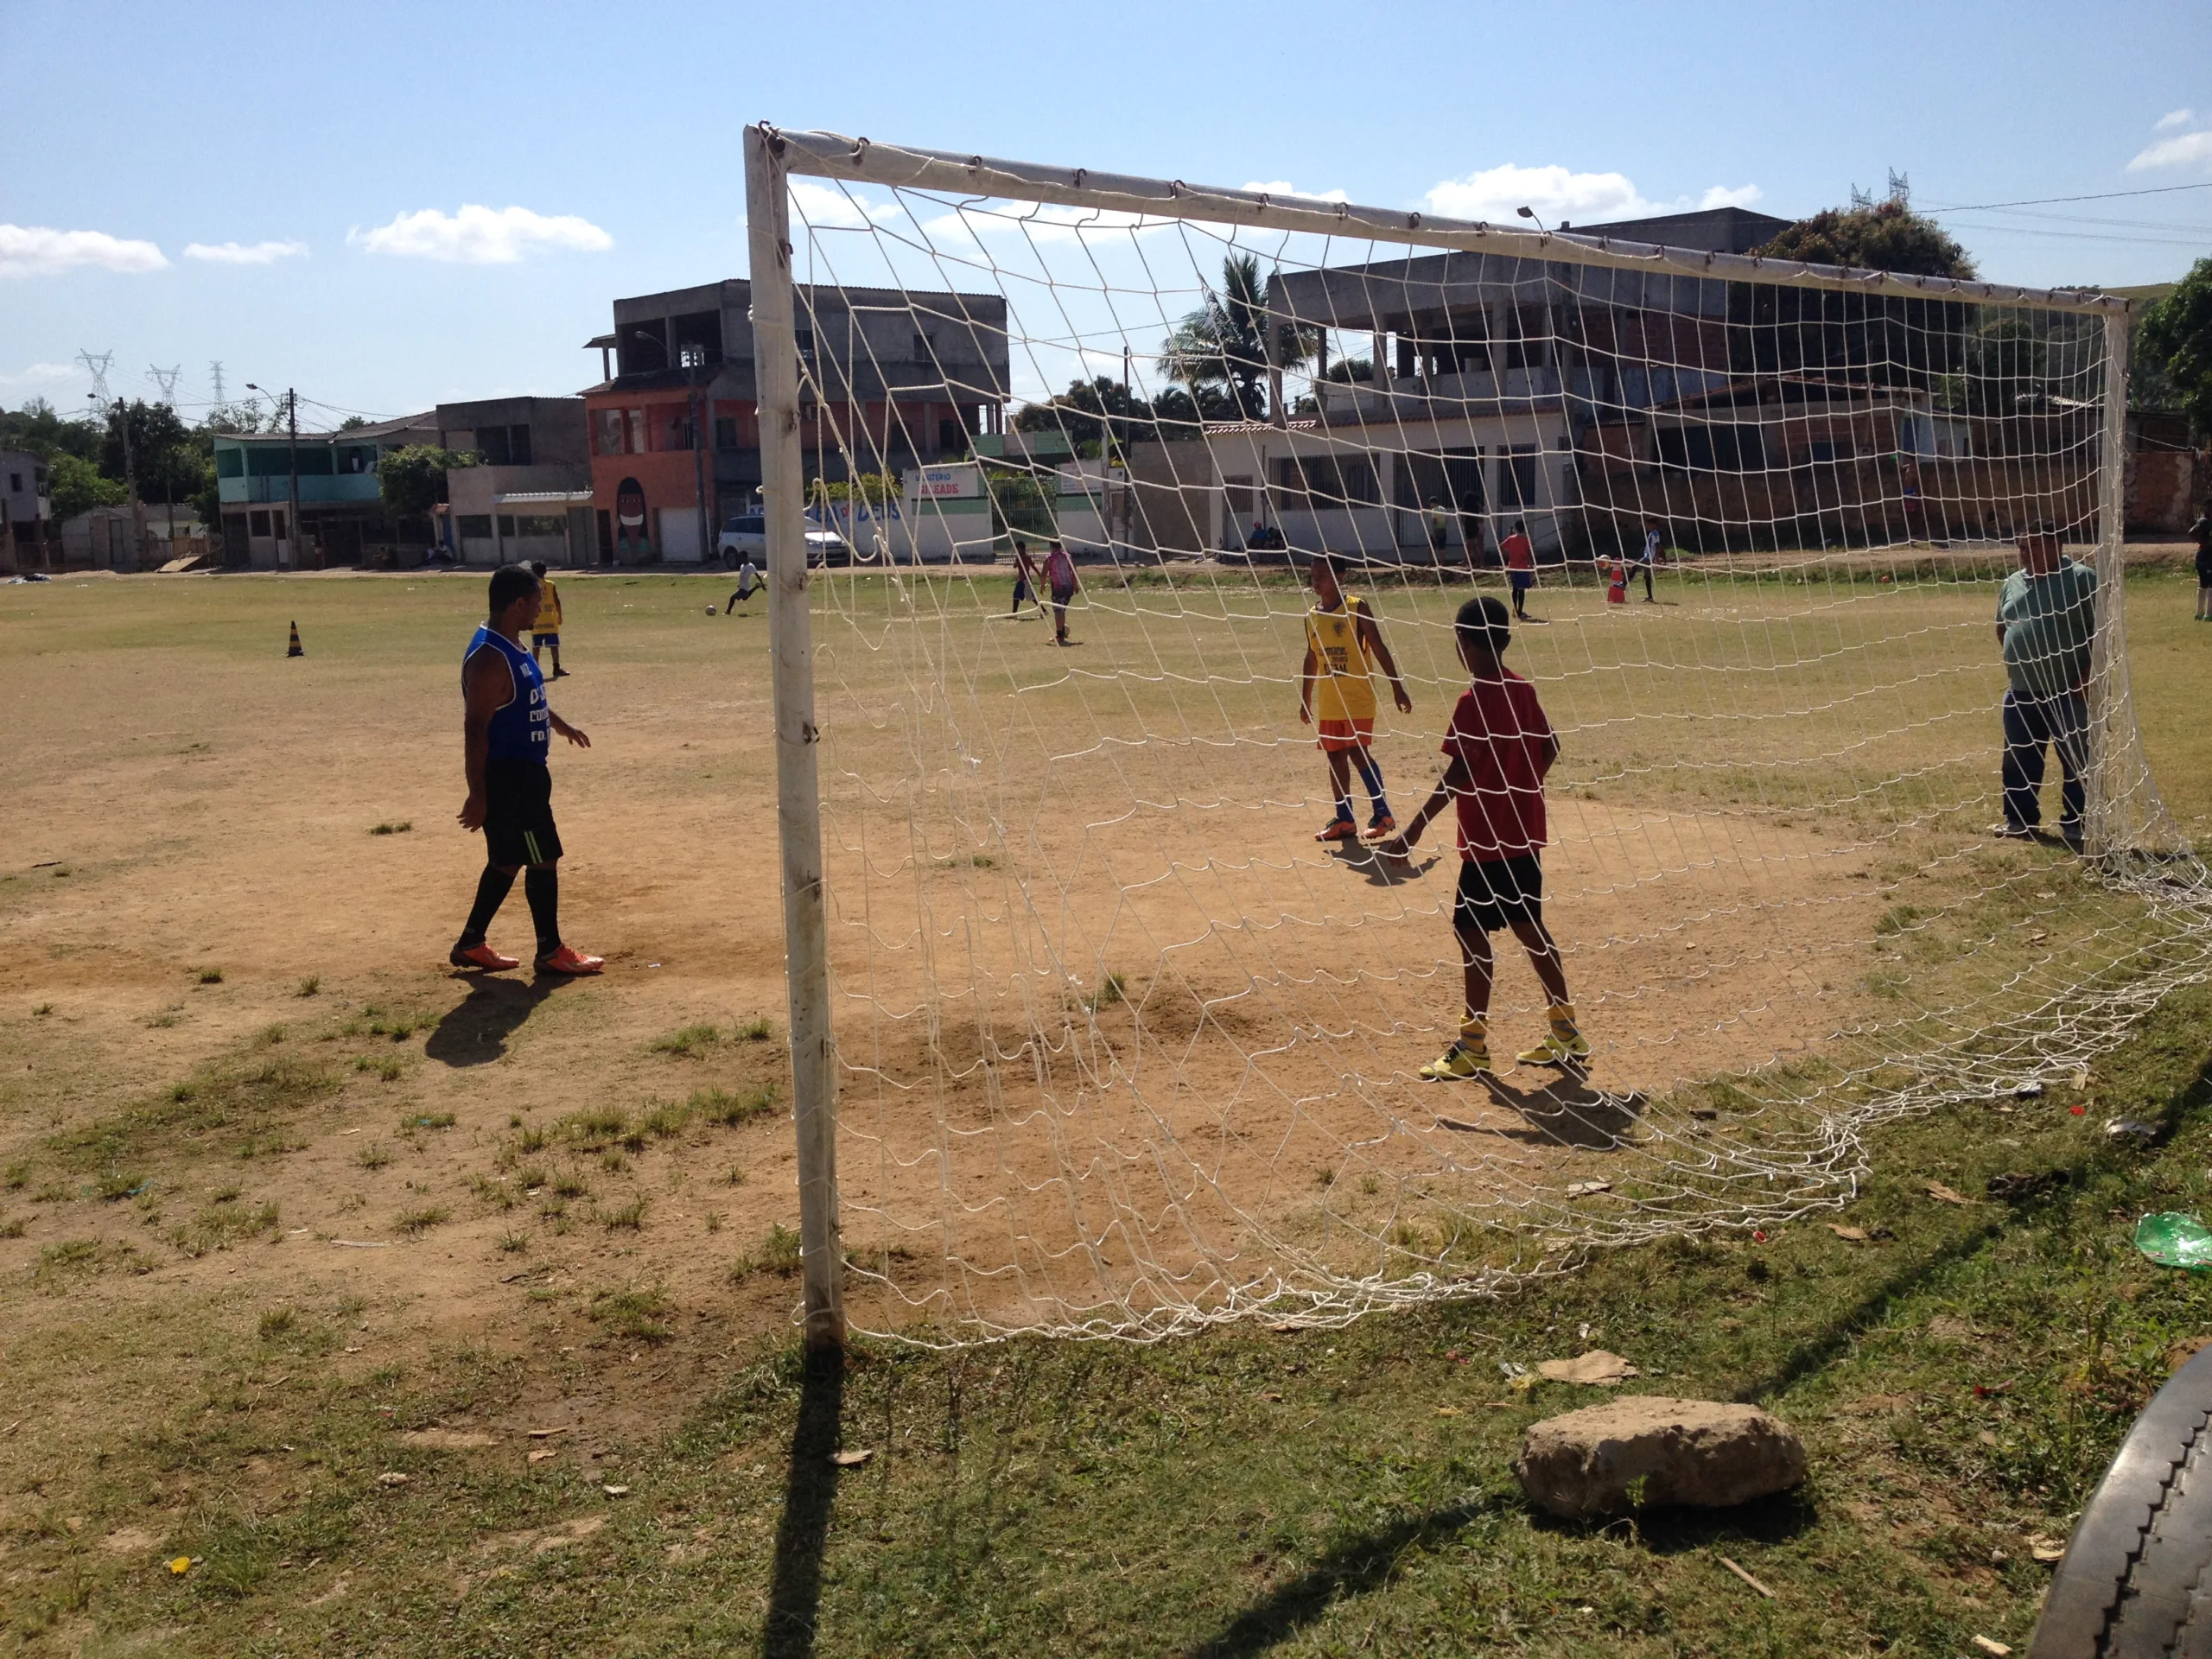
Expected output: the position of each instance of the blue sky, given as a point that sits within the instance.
(392, 205)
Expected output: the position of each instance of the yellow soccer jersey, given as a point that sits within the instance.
(1341, 688)
(548, 608)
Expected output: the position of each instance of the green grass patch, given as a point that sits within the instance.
(399, 829)
(215, 1109)
(225, 1222)
(727, 1109)
(418, 1221)
(632, 1314)
(691, 1043)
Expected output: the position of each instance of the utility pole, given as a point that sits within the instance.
(291, 537)
(292, 421)
(121, 411)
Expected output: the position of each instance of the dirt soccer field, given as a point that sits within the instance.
(237, 1079)
(229, 866)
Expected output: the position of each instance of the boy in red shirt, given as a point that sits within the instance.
(1500, 745)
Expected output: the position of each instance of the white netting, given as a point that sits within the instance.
(1121, 1050)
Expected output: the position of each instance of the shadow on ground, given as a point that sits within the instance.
(809, 1494)
(476, 1032)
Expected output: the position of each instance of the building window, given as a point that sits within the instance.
(636, 430)
(230, 463)
(541, 524)
(473, 526)
(257, 523)
(507, 525)
(725, 431)
(16, 482)
(951, 437)
(691, 355)
(607, 432)
(923, 351)
(1517, 479)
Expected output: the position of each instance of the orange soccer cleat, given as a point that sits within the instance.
(1342, 829)
(569, 960)
(481, 956)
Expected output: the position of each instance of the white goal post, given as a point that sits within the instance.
(1117, 1257)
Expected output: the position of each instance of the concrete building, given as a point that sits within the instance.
(537, 472)
(26, 511)
(531, 498)
(1485, 372)
(889, 380)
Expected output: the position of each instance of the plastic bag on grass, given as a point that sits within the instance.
(2173, 1240)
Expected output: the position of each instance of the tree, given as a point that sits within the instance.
(1223, 345)
(170, 459)
(412, 479)
(2176, 340)
(39, 429)
(78, 486)
(1888, 236)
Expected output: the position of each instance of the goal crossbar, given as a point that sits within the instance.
(834, 155)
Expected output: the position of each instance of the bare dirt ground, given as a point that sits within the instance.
(235, 1075)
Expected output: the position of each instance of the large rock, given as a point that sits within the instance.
(1657, 1452)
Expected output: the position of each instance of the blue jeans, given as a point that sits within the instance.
(2030, 723)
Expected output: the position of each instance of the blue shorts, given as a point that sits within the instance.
(1522, 580)
(537, 640)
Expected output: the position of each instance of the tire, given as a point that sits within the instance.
(2136, 1582)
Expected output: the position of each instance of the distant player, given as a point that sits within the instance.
(1059, 575)
(1648, 560)
(1520, 556)
(1336, 694)
(506, 734)
(2201, 532)
(547, 630)
(748, 578)
(1025, 579)
(1500, 745)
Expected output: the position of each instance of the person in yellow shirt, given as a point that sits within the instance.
(546, 631)
(1336, 694)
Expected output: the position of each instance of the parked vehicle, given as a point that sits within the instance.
(746, 537)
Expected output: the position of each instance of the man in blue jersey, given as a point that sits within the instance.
(2046, 627)
(507, 732)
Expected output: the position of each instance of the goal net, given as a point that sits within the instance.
(1118, 1046)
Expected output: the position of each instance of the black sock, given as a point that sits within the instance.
(491, 889)
(541, 884)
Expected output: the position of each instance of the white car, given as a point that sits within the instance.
(746, 537)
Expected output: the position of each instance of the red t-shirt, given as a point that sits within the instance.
(1519, 554)
(1498, 728)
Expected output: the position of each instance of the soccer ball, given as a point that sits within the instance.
(710, 610)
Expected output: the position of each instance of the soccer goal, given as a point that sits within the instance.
(1091, 1034)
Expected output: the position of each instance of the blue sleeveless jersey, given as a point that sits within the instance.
(522, 728)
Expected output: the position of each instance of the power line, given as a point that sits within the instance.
(2045, 201)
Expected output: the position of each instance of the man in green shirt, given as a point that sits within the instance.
(2046, 613)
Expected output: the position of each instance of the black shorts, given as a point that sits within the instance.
(1522, 580)
(518, 813)
(1495, 895)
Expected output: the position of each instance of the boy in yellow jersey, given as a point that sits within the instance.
(1336, 695)
(547, 630)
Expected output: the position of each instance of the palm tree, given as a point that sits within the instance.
(1221, 347)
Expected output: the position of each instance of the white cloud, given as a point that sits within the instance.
(480, 236)
(33, 251)
(244, 253)
(1281, 187)
(1721, 196)
(2173, 118)
(2175, 152)
(1554, 194)
(826, 208)
(42, 374)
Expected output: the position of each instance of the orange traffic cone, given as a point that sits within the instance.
(296, 648)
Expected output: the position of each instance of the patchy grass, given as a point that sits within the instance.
(399, 829)
(411, 1121)
(1962, 1378)
(311, 986)
(729, 1109)
(632, 1314)
(759, 1029)
(418, 1221)
(375, 1155)
(216, 1109)
(625, 1217)
(691, 1043)
(591, 1129)
(778, 1252)
(225, 1222)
